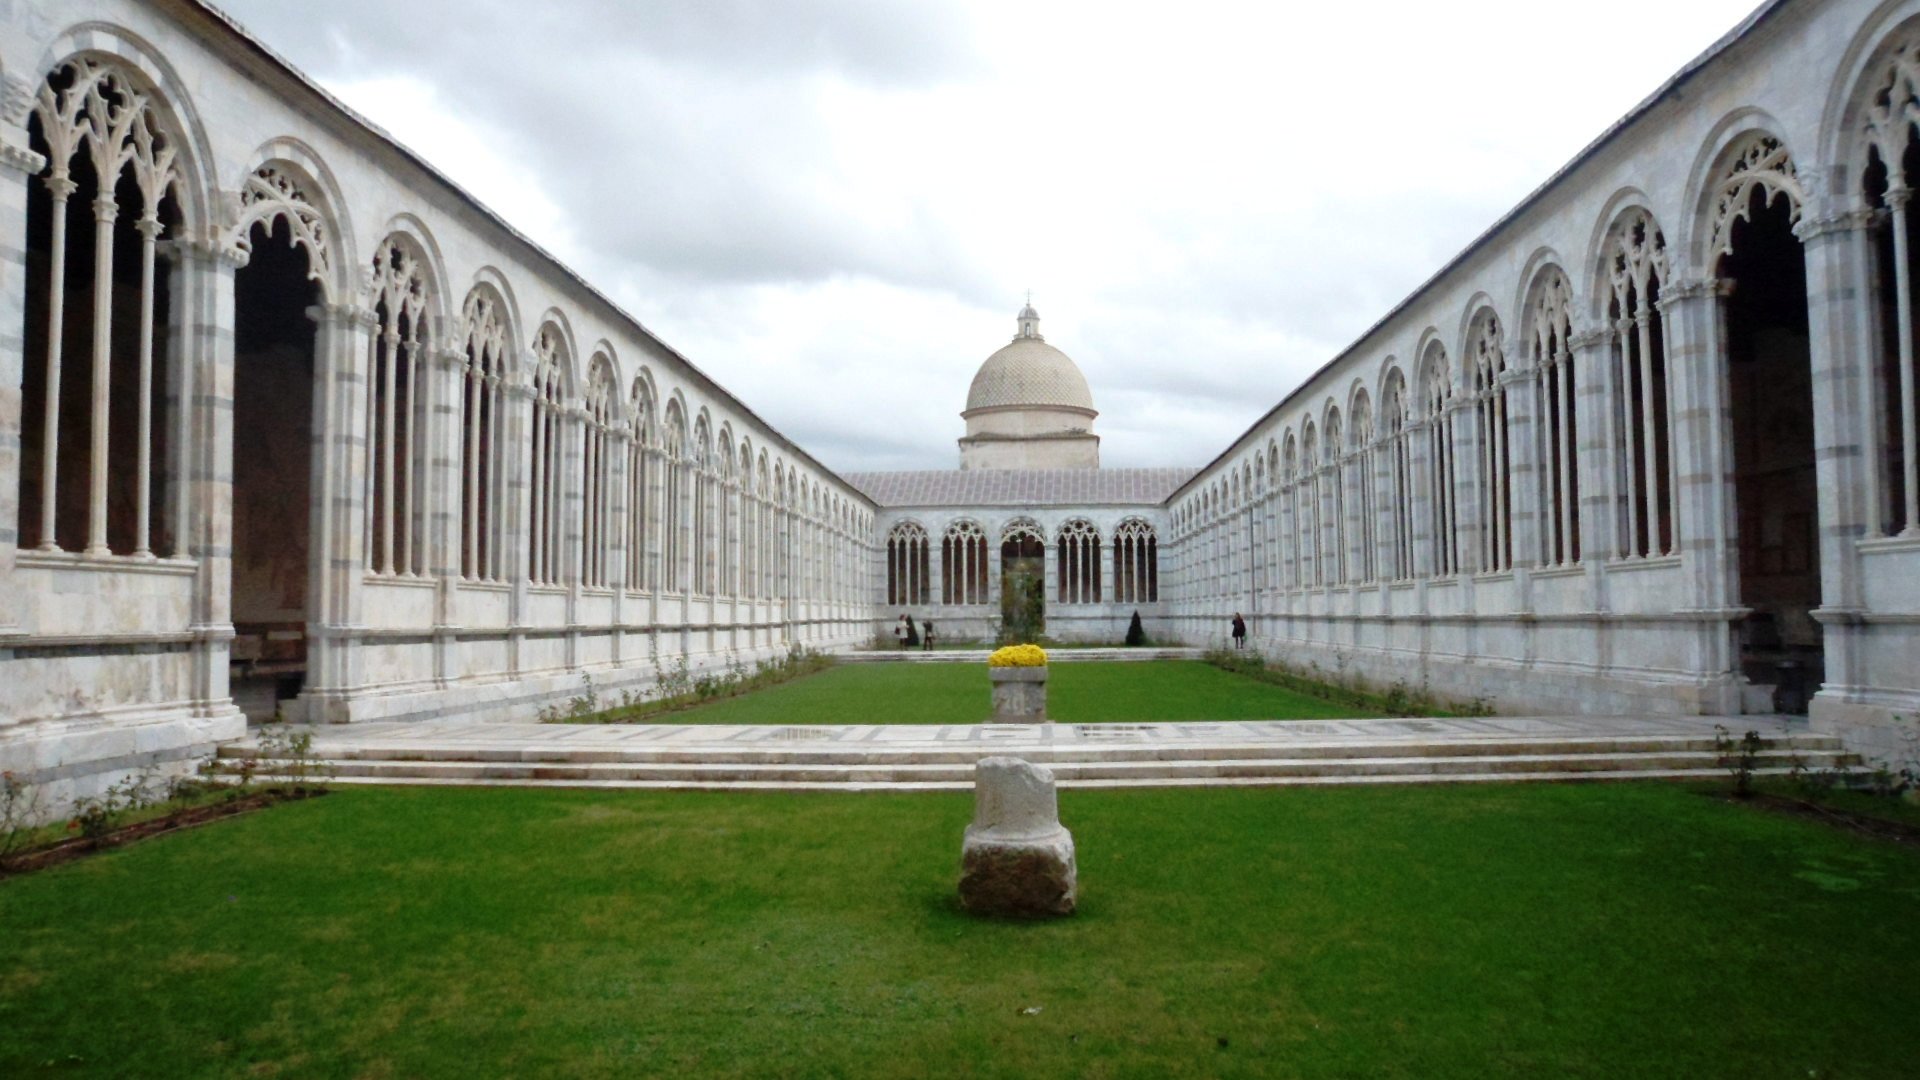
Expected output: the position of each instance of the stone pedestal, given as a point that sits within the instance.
(1019, 694)
(1017, 859)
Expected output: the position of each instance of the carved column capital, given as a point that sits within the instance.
(1812, 228)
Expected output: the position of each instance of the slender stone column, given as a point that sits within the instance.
(18, 165)
(446, 429)
(517, 537)
(1707, 525)
(1702, 437)
(619, 534)
(202, 294)
(1840, 310)
(337, 522)
(1420, 462)
(1593, 383)
(1525, 466)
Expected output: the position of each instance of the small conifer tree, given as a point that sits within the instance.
(1136, 634)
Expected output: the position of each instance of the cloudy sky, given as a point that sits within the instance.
(835, 207)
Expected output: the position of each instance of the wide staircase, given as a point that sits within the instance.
(938, 758)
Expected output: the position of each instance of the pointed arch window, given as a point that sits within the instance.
(641, 479)
(398, 411)
(907, 564)
(1442, 467)
(1360, 471)
(547, 466)
(1642, 421)
(963, 564)
(1398, 440)
(1487, 363)
(483, 440)
(1077, 551)
(96, 436)
(1558, 435)
(1892, 168)
(1136, 563)
(596, 472)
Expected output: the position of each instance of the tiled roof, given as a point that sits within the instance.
(1020, 487)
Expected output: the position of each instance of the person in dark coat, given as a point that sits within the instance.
(1239, 631)
(926, 636)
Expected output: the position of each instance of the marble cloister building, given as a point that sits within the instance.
(290, 422)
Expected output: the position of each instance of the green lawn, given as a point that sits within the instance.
(1135, 692)
(1600, 931)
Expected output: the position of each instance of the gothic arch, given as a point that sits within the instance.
(603, 350)
(408, 229)
(1843, 140)
(1478, 306)
(1543, 258)
(147, 68)
(563, 350)
(1746, 154)
(291, 183)
(1624, 207)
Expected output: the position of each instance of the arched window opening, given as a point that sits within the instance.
(1360, 469)
(1893, 166)
(963, 564)
(1077, 562)
(907, 565)
(1770, 379)
(642, 482)
(597, 475)
(1311, 515)
(1290, 529)
(1335, 493)
(1643, 436)
(98, 420)
(702, 523)
(1487, 364)
(397, 412)
(545, 565)
(1398, 441)
(1136, 563)
(1441, 464)
(483, 439)
(1558, 434)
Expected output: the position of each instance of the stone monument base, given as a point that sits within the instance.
(1017, 859)
(1029, 879)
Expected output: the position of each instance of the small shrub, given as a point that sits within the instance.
(21, 805)
(1738, 757)
(96, 817)
(294, 760)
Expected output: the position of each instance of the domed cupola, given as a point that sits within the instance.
(1029, 407)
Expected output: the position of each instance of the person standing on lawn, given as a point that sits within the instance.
(900, 632)
(926, 636)
(1239, 631)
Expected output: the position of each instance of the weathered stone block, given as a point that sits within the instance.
(1019, 693)
(1017, 860)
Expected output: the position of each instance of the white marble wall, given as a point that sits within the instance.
(110, 662)
(1613, 631)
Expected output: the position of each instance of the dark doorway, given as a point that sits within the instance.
(273, 370)
(1776, 490)
(1023, 588)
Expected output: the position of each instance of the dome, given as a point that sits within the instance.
(1029, 372)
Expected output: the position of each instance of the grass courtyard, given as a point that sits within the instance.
(1605, 931)
(1077, 693)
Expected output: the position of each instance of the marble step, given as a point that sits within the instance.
(964, 754)
(1544, 776)
(1134, 771)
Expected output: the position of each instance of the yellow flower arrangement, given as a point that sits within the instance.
(1018, 656)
